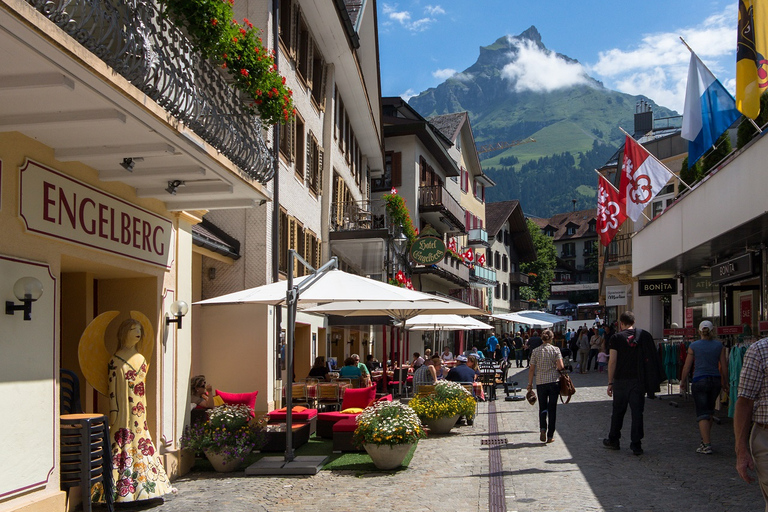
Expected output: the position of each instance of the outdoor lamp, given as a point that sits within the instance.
(400, 241)
(178, 310)
(27, 290)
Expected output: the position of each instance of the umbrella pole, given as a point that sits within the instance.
(290, 297)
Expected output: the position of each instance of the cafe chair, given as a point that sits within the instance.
(299, 394)
(328, 396)
(399, 375)
(424, 390)
(69, 393)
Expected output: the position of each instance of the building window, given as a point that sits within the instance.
(504, 263)
(592, 226)
(497, 260)
(657, 208)
(287, 138)
(286, 25)
(299, 146)
(569, 250)
(464, 180)
(504, 292)
(497, 291)
(303, 51)
(571, 230)
(314, 165)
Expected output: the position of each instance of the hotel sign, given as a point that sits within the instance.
(657, 287)
(732, 269)
(428, 250)
(53, 204)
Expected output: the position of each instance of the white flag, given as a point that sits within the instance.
(642, 177)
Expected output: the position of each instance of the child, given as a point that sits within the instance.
(602, 361)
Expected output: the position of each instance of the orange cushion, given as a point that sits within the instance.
(358, 398)
(297, 408)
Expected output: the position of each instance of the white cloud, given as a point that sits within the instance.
(407, 95)
(534, 69)
(433, 10)
(658, 66)
(404, 18)
(444, 74)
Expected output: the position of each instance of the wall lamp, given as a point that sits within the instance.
(178, 310)
(130, 162)
(173, 185)
(27, 290)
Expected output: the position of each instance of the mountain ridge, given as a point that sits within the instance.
(571, 114)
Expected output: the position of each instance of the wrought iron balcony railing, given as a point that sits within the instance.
(619, 251)
(138, 40)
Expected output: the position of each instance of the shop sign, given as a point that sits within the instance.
(427, 250)
(700, 284)
(729, 330)
(690, 331)
(53, 204)
(616, 295)
(657, 287)
(689, 317)
(732, 269)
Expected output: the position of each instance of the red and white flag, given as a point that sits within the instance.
(481, 260)
(642, 177)
(610, 211)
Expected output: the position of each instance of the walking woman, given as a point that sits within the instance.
(546, 363)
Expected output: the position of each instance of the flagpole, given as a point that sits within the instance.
(652, 156)
(617, 190)
(710, 71)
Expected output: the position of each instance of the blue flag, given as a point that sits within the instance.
(709, 110)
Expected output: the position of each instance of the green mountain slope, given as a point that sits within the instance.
(573, 126)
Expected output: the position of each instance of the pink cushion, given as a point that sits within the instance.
(248, 399)
(361, 398)
(348, 425)
(303, 416)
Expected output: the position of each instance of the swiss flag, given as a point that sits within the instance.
(481, 260)
(642, 177)
(468, 255)
(610, 211)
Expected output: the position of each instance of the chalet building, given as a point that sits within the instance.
(511, 245)
(575, 238)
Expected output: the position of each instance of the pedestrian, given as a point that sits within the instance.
(594, 348)
(750, 420)
(546, 364)
(602, 361)
(583, 351)
(518, 344)
(634, 367)
(505, 351)
(492, 343)
(573, 346)
(534, 342)
(710, 374)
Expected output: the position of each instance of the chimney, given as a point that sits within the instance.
(643, 118)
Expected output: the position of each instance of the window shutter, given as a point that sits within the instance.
(397, 169)
(320, 154)
(467, 220)
(310, 142)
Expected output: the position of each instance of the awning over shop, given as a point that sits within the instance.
(534, 319)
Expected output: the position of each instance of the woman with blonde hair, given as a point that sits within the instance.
(546, 364)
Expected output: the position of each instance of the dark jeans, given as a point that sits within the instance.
(548, 395)
(519, 357)
(627, 393)
(592, 355)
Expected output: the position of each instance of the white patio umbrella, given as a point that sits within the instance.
(525, 320)
(444, 323)
(401, 311)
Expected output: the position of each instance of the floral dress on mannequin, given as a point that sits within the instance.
(137, 471)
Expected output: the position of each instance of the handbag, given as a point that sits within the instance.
(567, 388)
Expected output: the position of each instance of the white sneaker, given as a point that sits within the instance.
(705, 449)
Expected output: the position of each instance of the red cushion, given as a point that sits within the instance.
(387, 398)
(248, 399)
(348, 425)
(304, 416)
(361, 398)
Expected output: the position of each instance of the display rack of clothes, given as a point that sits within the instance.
(735, 360)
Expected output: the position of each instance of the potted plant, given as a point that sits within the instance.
(227, 437)
(387, 431)
(439, 411)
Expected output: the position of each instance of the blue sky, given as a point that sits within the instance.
(632, 47)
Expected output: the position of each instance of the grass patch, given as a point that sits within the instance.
(348, 461)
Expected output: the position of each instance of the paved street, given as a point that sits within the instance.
(573, 473)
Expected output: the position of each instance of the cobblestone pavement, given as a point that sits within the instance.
(575, 473)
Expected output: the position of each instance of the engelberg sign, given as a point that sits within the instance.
(657, 287)
(53, 204)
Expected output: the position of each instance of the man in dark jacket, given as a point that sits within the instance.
(633, 369)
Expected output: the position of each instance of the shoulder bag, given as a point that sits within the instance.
(566, 387)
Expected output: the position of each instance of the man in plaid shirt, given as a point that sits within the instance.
(752, 414)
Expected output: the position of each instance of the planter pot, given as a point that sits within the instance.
(441, 425)
(386, 456)
(217, 461)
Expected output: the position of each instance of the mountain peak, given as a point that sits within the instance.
(531, 33)
(504, 43)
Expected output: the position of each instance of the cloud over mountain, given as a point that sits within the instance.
(537, 69)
